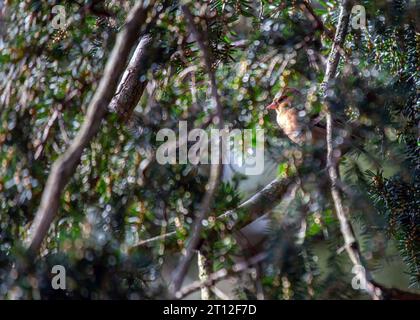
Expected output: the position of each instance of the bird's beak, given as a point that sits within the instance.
(272, 106)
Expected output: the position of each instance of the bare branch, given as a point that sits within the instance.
(338, 42)
(257, 205)
(64, 168)
(219, 275)
(203, 274)
(286, 224)
(260, 203)
(215, 169)
(351, 244)
(133, 81)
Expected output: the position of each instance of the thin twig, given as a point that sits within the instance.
(47, 130)
(215, 169)
(259, 288)
(40, 146)
(351, 244)
(320, 24)
(156, 238)
(329, 33)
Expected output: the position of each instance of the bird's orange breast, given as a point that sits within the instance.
(287, 119)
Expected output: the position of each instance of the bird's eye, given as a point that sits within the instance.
(282, 98)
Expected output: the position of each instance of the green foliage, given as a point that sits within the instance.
(120, 196)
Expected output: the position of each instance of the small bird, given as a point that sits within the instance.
(294, 126)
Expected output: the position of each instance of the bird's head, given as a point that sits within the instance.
(283, 99)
